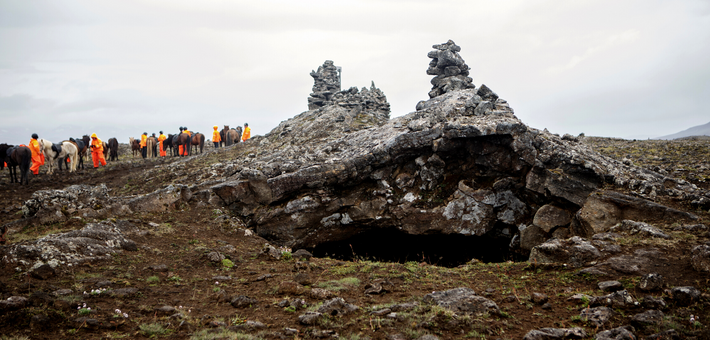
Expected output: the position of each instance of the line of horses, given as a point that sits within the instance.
(188, 141)
(70, 152)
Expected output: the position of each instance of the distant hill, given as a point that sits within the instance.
(700, 130)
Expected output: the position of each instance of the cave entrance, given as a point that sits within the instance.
(392, 245)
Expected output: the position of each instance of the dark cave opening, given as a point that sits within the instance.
(392, 245)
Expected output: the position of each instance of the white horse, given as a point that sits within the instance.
(53, 158)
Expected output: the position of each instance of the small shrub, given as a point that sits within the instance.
(227, 263)
(153, 329)
(152, 279)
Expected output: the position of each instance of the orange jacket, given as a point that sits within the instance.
(246, 134)
(161, 138)
(187, 132)
(34, 147)
(216, 137)
(144, 140)
(97, 145)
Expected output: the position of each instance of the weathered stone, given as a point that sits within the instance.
(539, 298)
(670, 334)
(640, 228)
(160, 268)
(597, 316)
(531, 237)
(303, 279)
(310, 318)
(337, 307)
(462, 300)
(618, 299)
(685, 296)
(700, 258)
(618, 333)
(650, 282)
(556, 333)
(320, 294)
(243, 301)
(575, 251)
(647, 318)
(40, 298)
(604, 209)
(643, 260)
(95, 241)
(13, 303)
(289, 288)
(610, 286)
(549, 217)
(650, 302)
(40, 322)
(160, 200)
(301, 254)
(165, 310)
(43, 272)
(215, 257)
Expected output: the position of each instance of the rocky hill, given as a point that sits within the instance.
(456, 220)
(700, 130)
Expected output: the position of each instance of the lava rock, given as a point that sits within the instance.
(462, 300)
(243, 301)
(618, 333)
(647, 318)
(610, 286)
(685, 296)
(651, 282)
(700, 258)
(556, 333)
(597, 315)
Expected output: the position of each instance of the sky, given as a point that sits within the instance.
(628, 69)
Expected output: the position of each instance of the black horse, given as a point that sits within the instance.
(22, 156)
(113, 149)
(81, 151)
(3, 154)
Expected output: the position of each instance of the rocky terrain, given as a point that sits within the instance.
(454, 221)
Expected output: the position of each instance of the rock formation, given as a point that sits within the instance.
(449, 69)
(326, 84)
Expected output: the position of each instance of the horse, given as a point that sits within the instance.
(135, 146)
(22, 156)
(113, 149)
(81, 146)
(150, 146)
(224, 134)
(3, 150)
(168, 143)
(184, 140)
(58, 152)
(235, 134)
(198, 139)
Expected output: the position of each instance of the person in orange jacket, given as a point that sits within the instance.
(97, 151)
(37, 154)
(216, 138)
(161, 138)
(186, 149)
(247, 132)
(143, 144)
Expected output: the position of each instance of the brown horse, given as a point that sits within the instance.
(22, 156)
(113, 149)
(150, 143)
(135, 146)
(198, 139)
(224, 134)
(184, 140)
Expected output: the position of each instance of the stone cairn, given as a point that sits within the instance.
(326, 84)
(449, 69)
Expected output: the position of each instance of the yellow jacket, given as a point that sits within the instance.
(144, 140)
(161, 138)
(246, 134)
(216, 137)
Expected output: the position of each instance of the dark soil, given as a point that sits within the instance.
(183, 239)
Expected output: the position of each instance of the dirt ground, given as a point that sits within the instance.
(182, 239)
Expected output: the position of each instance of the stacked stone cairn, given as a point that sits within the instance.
(326, 84)
(449, 69)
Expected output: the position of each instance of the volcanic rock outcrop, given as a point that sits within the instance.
(326, 84)
(462, 164)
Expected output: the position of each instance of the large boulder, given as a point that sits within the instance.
(462, 300)
(95, 241)
(575, 251)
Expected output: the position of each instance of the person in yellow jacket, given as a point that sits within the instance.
(97, 151)
(161, 138)
(143, 144)
(37, 155)
(186, 149)
(247, 132)
(216, 138)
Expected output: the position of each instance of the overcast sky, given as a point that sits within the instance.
(631, 69)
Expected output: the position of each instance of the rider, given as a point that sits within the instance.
(161, 138)
(37, 154)
(189, 141)
(97, 151)
(247, 132)
(216, 138)
(144, 142)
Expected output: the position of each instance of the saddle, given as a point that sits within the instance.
(57, 148)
